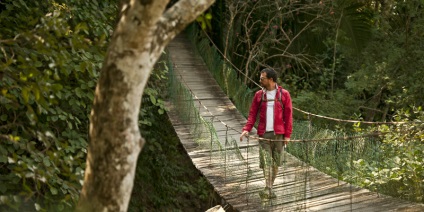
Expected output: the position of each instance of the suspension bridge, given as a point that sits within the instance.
(315, 170)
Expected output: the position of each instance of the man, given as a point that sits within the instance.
(274, 106)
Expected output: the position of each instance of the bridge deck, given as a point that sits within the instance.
(299, 187)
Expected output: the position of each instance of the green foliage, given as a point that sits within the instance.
(355, 23)
(51, 54)
(397, 170)
(154, 94)
(393, 166)
(388, 73)
(337, 105)
(205, 21)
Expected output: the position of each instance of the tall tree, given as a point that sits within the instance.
(144, 28)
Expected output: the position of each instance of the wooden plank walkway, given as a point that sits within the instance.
(299, 187)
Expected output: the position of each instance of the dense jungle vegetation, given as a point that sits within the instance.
(351, 59)
(346, 59)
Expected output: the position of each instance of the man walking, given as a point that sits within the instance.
(273, 103)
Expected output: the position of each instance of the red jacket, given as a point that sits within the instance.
(283, 120)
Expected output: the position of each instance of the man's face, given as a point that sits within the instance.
(264, 80)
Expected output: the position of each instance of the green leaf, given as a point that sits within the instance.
(3, 117)
(208, 16)
(57, 87)
(3, 159)
(36, 92)
(53, 190)
(153, 99)
(46, 161)
(25, 94)
(60, 207)
(38, 64)
(56, 76)
(90, 96)
(91, 84)
(79, 92)
(81, 27)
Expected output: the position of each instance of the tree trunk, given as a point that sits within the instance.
(144, 29)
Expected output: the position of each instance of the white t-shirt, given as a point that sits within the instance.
(270, 96)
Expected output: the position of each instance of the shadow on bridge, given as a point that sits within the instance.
(209, 125)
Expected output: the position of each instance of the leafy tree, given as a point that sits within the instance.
(395, 168)
(388, 73)
(51, 52)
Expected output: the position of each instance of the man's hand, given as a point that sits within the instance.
(286, 141)
(244, 134)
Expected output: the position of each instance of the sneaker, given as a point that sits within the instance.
(267, 193)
